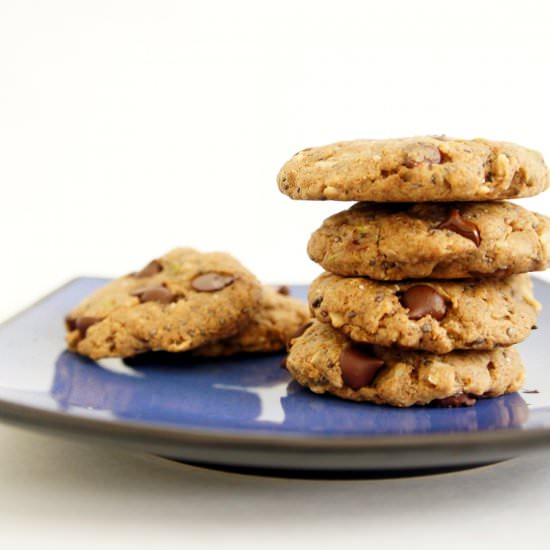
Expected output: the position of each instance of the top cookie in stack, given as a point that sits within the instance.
(419, 169)
(443, 219)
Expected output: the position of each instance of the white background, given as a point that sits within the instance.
(131, 127)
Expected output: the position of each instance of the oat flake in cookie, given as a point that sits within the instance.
(417, 169)
(430, 315)
(278, 317)
(325, 360)
(432, 240)
(178, 302)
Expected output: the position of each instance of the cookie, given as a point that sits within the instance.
(180, 301)
(435, 316)
(325, 360)
(278, 317)
(432, 240)
(417, 169)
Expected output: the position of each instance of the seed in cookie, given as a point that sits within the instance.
(157, 293)
(211, 282)
(422, 300)
(359, 366)
(152, 268)
(455, 222)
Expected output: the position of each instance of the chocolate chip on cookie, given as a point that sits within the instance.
(422, 300)
(156, 293)
(455, 222)
(358, 365)
(211, 282)
(457, 400)
(152, 268)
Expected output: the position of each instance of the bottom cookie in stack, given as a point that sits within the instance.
(324, 360)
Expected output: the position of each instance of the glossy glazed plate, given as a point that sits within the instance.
(245, 411)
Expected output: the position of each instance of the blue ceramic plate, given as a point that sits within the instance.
(245, 410)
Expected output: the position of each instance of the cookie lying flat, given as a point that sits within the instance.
(436, 316)
(441, 241)
(417, 169)
(181, 301)
(278, 317)
(324, 360)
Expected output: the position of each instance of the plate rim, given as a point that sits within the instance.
(147, 436)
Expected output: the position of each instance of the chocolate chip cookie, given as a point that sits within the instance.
(431, 315)
(278, 317)
(417, 169)
(325, 360)
(178, 302)
(432, 240)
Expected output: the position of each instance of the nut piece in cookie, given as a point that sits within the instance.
(180, 301)
(325, 361)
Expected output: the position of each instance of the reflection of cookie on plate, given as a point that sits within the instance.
(178, 302)
(417, 169)
(436, 316)
(442, 241)
(278, 317)
(324, 360)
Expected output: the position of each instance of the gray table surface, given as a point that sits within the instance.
(60, 493)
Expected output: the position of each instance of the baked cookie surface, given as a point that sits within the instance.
(178, 302)
(416, 169)
(435, 316)
(432, 240)
(278, 317)
(325, 360)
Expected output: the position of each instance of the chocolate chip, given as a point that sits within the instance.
(458, 400)
(359, 365)
(284, 290)
(301, 330)
(317, 302)
(152, 268)
(426, 154)
(534, 327)
(82, 324)
(455, 222)
(423, 300)
(211, 282)
(283, 363)
(157, 293)
(70, 324)
(298, 333)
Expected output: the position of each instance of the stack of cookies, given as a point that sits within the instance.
(425, 291)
